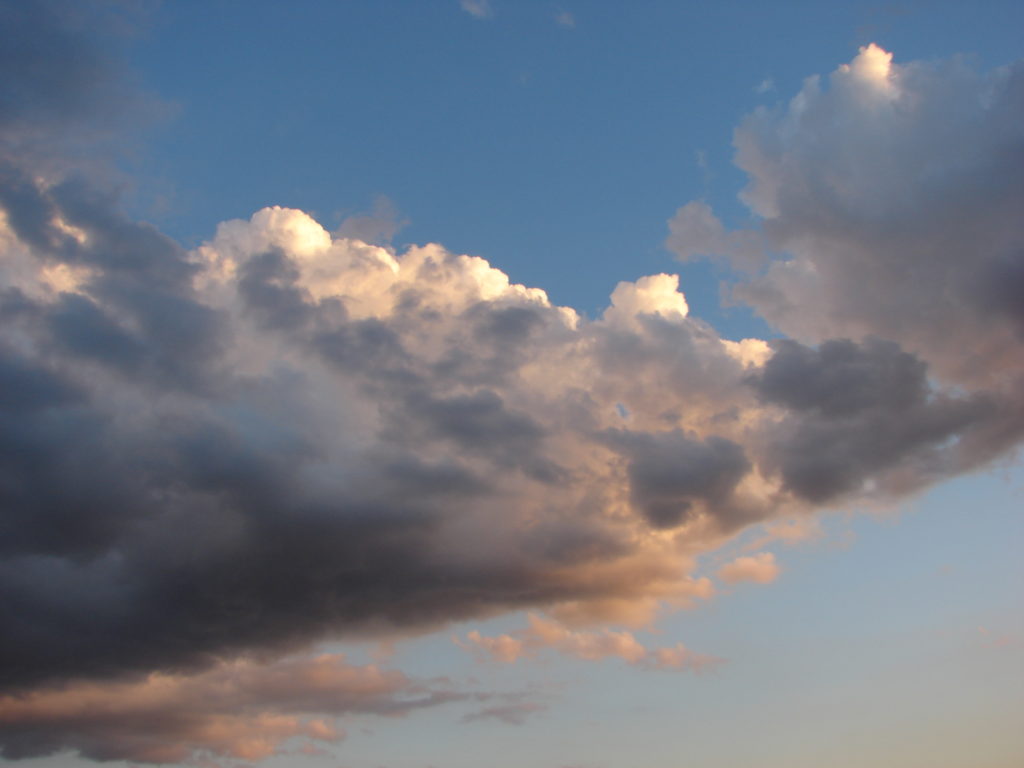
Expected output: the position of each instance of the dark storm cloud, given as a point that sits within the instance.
(861, 412)
(135, 273)
(480, 424)
(841, 378)
(55, 73)
(671, 471)
(1002, 288)
(267, 285)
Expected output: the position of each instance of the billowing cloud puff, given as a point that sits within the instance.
(893, 192)
(291, 436)
(285, 436)
(892, 198)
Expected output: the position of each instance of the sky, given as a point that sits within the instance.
(582, 385)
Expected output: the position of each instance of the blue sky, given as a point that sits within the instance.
(586, 138)
(329, 496)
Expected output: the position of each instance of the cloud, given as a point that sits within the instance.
(891, 248)
(565, 19)
(480, 9)
(377, 227)
(887, 186)
(67, 99)
(503, 648)
(695, 231)
(759, 568)
(514, 710)
(243, 709)
(284, 435)
(679, 656)
(863, 416)
(671, 473)
(542, 634)
(295, 435)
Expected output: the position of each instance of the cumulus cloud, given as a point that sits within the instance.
(892, 190)
(407, 439)
(542, 634)
(889, 205)
(759, 568)
(286, 435)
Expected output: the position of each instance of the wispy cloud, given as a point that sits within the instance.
(515, 710)
(241, 709)
(480, 9)
(376, 227)
(760, 568)
(545, 634)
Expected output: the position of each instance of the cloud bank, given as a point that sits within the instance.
(285, 436)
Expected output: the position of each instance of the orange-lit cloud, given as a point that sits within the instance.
(546, 634)
(760, 569)
(243, 709)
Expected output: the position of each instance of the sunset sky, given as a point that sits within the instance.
(459, 383)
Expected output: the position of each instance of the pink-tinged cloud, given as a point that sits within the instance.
(679, 656)
(244, 709)
(590, 646)
(546, 634)
(760, 569)
(503, 648)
